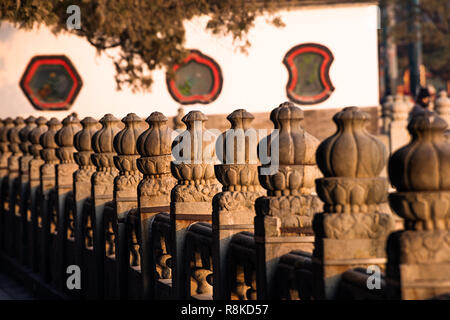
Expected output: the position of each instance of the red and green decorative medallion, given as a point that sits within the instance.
(51, 82)
(309, 73)
(198, 79)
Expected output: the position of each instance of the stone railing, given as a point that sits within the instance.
(132, 210)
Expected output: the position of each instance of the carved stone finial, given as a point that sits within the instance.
(236, 148)
(8, 123)
(154, 147)
(386, 113)
(398, 135)
(48, 143)
(126, 148)
(103, 158)
(400, 108)
(419, 171)
(103, 142)
(296, 154)
(351, 152)
(442, 106)
(64, 138)
(83, 144)
(156, 140)
(24, 160)
(14, 146)
(83, 141)
(125, 140)
(13, 135)
(177, 120)
(194, 146)
(24, 132)
(35, 135)
(240, 124)
(296, 146)
(352, 159)
(193, 166)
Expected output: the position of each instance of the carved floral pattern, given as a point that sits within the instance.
(195, 193)
(423, 210)
(344, 195)
(358, 226)
(425, 247)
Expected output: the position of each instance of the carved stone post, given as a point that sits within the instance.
(8, 123)
(398, 135)
(48, 186)
(24, 163)
(33, 191)
(443, 106)
(177, 120)
(125, 190)
(351, 232)
(386, 114)
(154, 190)
(82, 193)
(13, 243)
(419, 256)
(191, 198)
(103, 190)
(283, 217)
(234, 207)
(64, 187)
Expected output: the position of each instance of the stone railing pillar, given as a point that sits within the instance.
(125, 190)
(351, 231)
(283, 217)
(178, 124)
(7, 124)
(398, 135)
(233, 208)
(154, 190)
(82, 193)
(64, 187)
(386, 114)
(103, 194)
(13, 243)
(442, 106)
(24, 163)
(419, 256)
(191, 198)
(33, 188)
(47, 187)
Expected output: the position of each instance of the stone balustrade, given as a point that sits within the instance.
(149, 213)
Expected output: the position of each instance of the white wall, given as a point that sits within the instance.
(256, 81)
